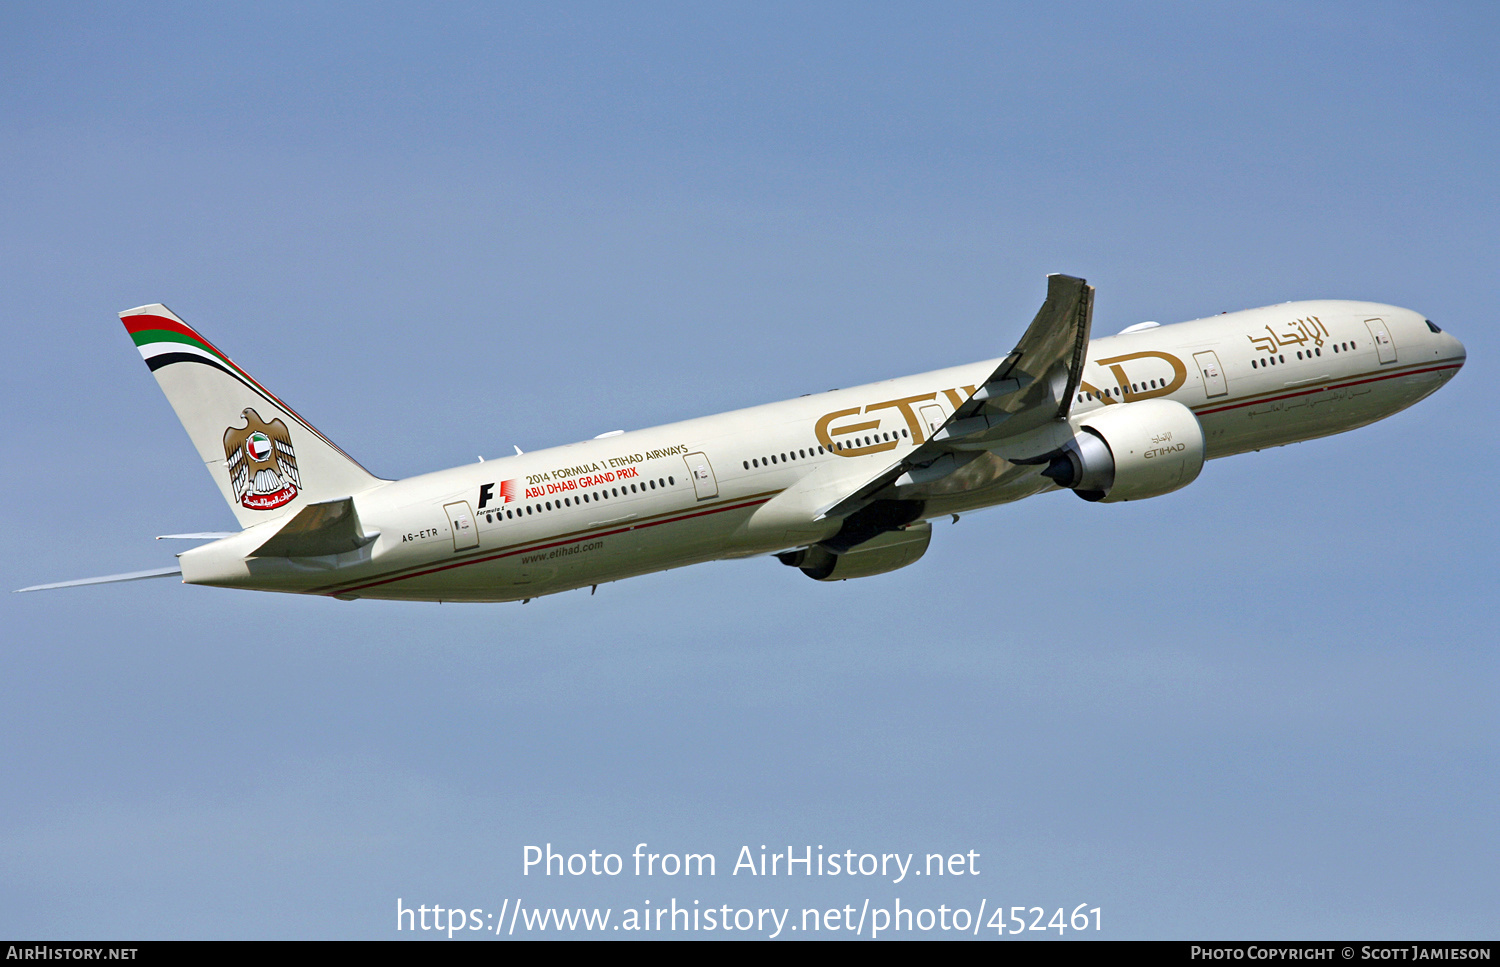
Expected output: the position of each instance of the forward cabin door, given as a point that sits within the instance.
(705, 484)
(1381, 333)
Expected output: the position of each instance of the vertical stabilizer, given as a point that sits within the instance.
(267, 461)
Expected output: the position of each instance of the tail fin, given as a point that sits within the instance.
(267, 460)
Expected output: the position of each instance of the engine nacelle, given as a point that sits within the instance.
(886, 552)
(1131, 451)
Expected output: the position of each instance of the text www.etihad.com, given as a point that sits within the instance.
(566, 550)
(862, 920)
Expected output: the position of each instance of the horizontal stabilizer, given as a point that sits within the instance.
(200, 536)
(161, 572)
(317, 530)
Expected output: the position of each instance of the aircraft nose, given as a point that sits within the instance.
(1455, 350)
(1447, 347)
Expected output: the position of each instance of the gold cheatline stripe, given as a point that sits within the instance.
(1287, 392)
(482, 555)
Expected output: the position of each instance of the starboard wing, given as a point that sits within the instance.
(1031, 387)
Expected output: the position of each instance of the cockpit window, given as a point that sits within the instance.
(1433, 326)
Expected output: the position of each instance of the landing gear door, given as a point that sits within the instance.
(1213, 374)
(705, 484)
(1381, 333)
(465, 530)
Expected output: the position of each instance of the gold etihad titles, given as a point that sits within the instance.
(909, 408)
(1137, 390)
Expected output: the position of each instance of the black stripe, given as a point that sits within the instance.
(166, 359)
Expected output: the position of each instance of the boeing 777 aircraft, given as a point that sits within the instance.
(838, 485)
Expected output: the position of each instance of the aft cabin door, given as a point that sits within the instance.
(705, 484)
(1381, 333)
(465, 533)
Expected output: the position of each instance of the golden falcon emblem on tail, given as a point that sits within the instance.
(261, 463)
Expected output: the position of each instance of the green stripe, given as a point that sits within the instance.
(146, 336)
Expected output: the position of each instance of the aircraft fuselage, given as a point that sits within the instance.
(749, 482)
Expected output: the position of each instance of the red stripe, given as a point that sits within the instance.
(753, 503)
(161, 322)
(1324, 389)
(133, 326)
(543, 547)
(170, 325)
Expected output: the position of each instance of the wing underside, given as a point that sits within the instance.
(1031, 389)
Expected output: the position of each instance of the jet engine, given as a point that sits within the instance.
(885, 552)
(1131, 451)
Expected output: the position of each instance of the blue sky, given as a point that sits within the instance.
(1260, 707)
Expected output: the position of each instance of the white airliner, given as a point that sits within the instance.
(839, 485)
